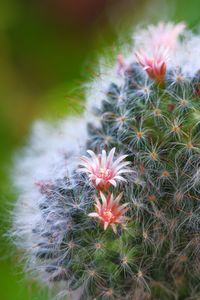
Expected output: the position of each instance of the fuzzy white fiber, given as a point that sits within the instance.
(96, 89)
(52, 152)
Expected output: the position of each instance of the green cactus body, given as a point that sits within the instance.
(147, 245)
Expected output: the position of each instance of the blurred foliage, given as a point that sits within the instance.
(48, 50)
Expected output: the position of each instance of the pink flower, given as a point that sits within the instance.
(103, 170)
(162, 35)
(155, 66)
(45, 187)
(109, 211)
(165, 35)
(121, 65)
(160, 41)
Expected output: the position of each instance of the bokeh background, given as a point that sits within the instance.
(48, 50)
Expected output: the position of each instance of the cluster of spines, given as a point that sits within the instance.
(155, 252)
(73, 250)
(161, 135)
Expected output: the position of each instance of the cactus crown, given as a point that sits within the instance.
(123, 223)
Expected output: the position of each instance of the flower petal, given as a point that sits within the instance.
(93, 215)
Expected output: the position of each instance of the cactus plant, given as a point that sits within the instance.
(109, 204)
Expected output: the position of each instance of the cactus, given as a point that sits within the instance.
(111, 211)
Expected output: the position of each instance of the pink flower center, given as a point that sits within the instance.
(107, 215)
(105, 174)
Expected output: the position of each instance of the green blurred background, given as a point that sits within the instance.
(48, 50)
